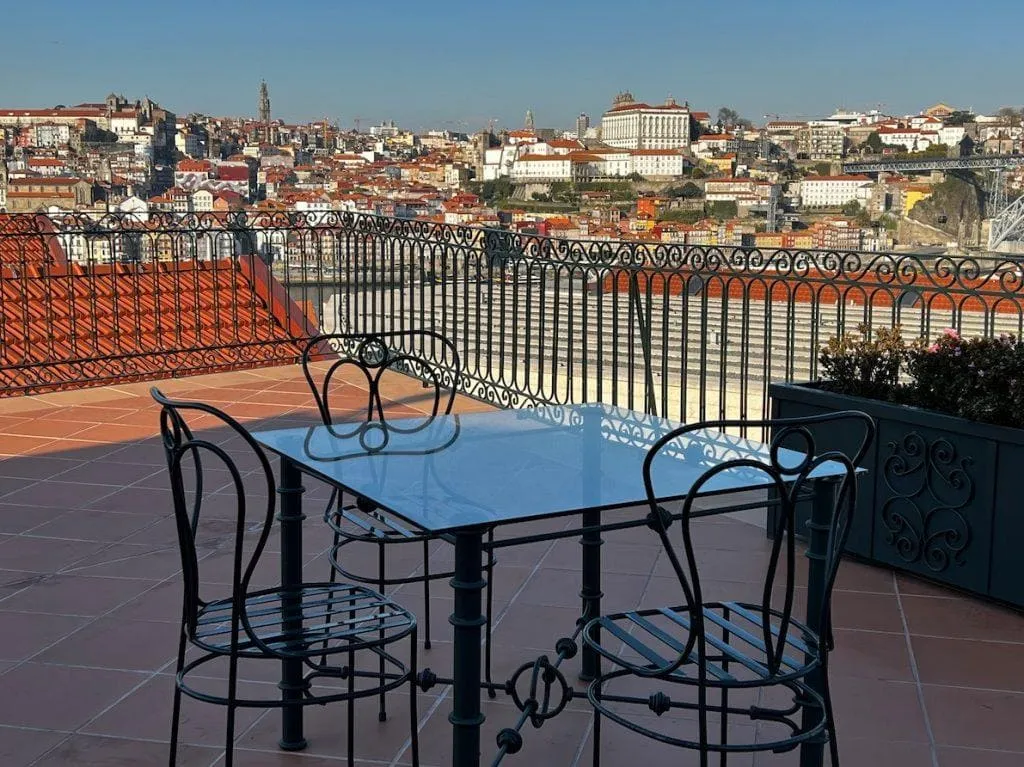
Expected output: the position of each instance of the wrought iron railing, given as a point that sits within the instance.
(683, 331)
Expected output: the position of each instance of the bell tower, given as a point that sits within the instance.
(264, 110)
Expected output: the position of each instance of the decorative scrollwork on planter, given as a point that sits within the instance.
(929, 489)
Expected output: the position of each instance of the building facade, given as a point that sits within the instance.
(630, 124)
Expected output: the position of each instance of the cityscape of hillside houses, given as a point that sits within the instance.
(643, 171)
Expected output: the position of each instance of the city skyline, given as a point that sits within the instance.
(447, 68)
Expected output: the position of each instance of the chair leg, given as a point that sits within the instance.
(229, 744)
(596, 738)
(351, 707)
(414, 718)
(382, 714)
(176, 707)
(426, 594)
(490, 615)
(830, 722)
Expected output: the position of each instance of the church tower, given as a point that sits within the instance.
(264, 112)
(529, 119)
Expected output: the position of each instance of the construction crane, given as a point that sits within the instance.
(358, 121)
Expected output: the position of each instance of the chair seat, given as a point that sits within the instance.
(335, 617)
(736, 654)
(364, 521)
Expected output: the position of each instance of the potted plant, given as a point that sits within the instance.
(943, 494)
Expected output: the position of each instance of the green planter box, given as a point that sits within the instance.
(944, 497)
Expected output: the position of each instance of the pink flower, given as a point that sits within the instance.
(933, 348)
(951, 333)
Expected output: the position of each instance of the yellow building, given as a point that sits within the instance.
(912, 195)
(723, 164)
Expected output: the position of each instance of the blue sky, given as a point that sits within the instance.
(458, 64)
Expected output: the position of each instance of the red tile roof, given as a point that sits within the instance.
(27, 240)
(64, 327)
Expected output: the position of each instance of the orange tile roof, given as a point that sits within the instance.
(27, 240)
(65, 327)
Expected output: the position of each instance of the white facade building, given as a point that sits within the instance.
(658, 163)
(834, 191)
(539, 167)
(634, 125)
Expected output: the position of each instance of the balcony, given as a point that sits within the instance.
(89, 572)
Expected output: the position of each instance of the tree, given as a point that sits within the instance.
(681, 216)
(723, 209)
(851, 208)
(1013, 116)
(728, 116)
(874, 142)
(959, 117)
(689, 190)
(823, 168)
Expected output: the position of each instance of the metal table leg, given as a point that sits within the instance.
(467, 619)
(292, 685)
(822, 508)
(590, 592)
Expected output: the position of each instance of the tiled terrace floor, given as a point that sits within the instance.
(89, 597)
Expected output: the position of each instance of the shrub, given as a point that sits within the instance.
(981, 379)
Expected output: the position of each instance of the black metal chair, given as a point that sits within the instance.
(311, 623)
(359, 520)
(699, 647)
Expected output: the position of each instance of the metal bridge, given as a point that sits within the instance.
(974, 162)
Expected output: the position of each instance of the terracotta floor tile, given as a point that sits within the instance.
(150, 501)
(57, 494)
(19, 747)
(20, 519)
(36, 467)
(93, 525)
(910, 584)
(58, 697)
(560, 588)
(962, 618)
(970, 663)
(975, 718)
(75, 595)
(556, 744)
(97, 751)
(115, 431)
(867, 708)
(616, 557)
(25, 634)
(159, 603)
(9, 485)
(45, 555)
(326, 729)
(975, 757)
(116, 643)
(146, 713)
(871, 655)
(877, 707)
(125, 560)
(873, 752)
(107, 472)
(14, 445)
(47, 427)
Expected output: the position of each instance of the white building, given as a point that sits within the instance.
(541, 167)
(834, 191)
(908, 139)
(658, 163)
(630, 124)
(52, 134)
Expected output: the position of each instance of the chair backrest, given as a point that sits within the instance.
(785, 468)
(188, 457)
(424, 354)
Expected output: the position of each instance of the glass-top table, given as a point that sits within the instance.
(465, 474)
(506, 466)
